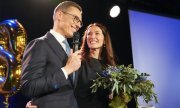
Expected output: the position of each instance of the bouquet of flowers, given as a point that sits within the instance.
(125, 83)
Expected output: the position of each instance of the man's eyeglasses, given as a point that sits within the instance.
(75, 18)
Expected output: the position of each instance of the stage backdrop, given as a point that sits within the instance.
(156, 50)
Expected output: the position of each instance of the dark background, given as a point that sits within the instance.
(36, 17)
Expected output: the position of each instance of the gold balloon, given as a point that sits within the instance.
(13, 40)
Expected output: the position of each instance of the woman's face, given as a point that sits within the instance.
(95, 37)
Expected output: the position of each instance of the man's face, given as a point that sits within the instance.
(70, 21)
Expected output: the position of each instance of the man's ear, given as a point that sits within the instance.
(59, 15)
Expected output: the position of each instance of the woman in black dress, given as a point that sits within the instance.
(97, 53)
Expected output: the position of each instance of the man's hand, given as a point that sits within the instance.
(29, 105)
(73, 62)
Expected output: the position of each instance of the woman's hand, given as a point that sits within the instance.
(29, 105)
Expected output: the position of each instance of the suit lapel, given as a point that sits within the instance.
(56, 47)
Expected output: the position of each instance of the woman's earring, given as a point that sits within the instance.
(104, 45)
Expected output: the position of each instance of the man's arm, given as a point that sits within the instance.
(38, 77)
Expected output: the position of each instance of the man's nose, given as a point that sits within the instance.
(78, 26)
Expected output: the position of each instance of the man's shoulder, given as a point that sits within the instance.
(46, 36)
(41, 38)
(37, 41)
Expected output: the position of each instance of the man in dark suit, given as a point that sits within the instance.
(47, 66)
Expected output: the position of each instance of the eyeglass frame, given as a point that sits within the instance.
(75, 18)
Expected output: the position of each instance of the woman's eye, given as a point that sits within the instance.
(97, 33)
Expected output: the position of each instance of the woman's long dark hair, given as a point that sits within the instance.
(106, 55)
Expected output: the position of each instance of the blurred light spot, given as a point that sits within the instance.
(115, 11)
